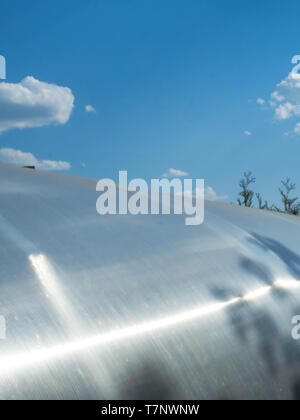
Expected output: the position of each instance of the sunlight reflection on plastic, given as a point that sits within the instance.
(257, 293)
(50, 282)
(17, 362)
(21, 361)
(287, 283)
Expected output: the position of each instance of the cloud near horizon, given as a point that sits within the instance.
(209, 194)
(19, 158)
(32, 103)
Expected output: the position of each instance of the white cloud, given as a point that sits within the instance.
(260, 101)
(284, 111)
(19, 158)
(90, 108)
(297, 129)
(174, 173)
(277, 97)
(286, 99)
(209, 193)
(248, 133)
(32, 103)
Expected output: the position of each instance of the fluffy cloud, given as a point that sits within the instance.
(90, 108)
(19, 158)
(297, 129)
(32, 103)
(286, 98)
(277, 97)
(248, 133)
(260, 101)
(209, 194)
(174, 173)
(284, 111)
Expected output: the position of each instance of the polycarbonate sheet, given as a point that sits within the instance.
(143, 306)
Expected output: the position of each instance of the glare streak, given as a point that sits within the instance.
(51, 284)
(257, 293)
(20, 361)
(287, 283)
(43, 269)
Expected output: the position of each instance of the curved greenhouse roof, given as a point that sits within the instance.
(143, 306)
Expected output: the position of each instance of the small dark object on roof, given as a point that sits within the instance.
(29, 167)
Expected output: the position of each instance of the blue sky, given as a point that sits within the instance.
(174, 84)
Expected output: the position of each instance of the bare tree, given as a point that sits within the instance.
(246, 194)
(261, 205)
(290, 204)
